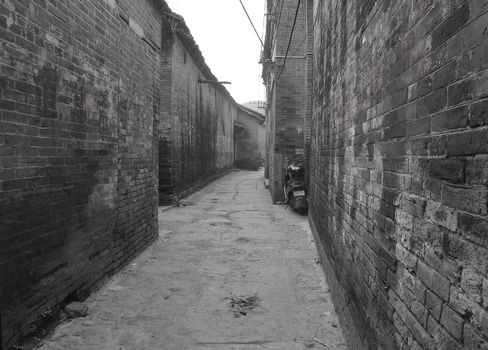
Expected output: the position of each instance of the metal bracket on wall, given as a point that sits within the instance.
(269, 67)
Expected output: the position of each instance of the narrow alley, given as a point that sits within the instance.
(133, 214)
(229, 271)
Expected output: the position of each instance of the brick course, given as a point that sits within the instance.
(399, 192)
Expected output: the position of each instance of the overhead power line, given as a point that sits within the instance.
(250, 21)
(289, 41)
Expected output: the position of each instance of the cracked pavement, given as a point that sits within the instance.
(228, 242)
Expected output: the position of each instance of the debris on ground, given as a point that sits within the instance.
(243, 240)
(76, 309)
(321, 343)
(177, 202)
(317, 260)
(242, 305)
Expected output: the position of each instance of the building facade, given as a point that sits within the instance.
(399, 167)
(287, 73)
(196, 131)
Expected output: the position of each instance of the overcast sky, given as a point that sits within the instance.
(228, 42)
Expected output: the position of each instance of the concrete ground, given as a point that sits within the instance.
(229, 271)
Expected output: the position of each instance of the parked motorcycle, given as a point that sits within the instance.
(295, 187)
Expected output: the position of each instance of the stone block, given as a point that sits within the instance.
(468, 143)
(477, 171)
(473, 199)
(461, 92)
(452, 322)
(433, 280)
(405, 257)
(434, 304)
(441, 215)
(450, 26)
(450, 169)
(484, 294)
(471, 283)
(472, 338)
(478, 114)
(456, 118)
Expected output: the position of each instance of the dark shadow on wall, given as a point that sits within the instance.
(58, 231)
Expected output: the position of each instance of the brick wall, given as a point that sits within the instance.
(196, 140)
(79, 102)
(166, 119)
(399, 166)
(269, 127)
(249, 135)
(287, 88)
(307, 120)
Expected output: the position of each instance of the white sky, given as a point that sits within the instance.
(227, 41)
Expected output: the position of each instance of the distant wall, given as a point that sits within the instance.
(262, 143)
(249, 138)
(79, 105)
(198, 132)
(399, 166)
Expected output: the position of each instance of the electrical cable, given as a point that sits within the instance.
(289, 41)
(250, 21)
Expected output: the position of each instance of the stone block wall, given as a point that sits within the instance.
(197, 135)
(79, 106)
(399, 163)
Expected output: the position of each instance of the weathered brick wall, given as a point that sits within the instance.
(287, 91)
(165, 120)
(399, 166)
(138, 114)
(269, 128)
(262, 141)
(199, 128)
(79, 102)
(249, 133)
(307, 121)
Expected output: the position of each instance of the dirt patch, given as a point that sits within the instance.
(221, 224)
(241, 305)
(243, 240)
